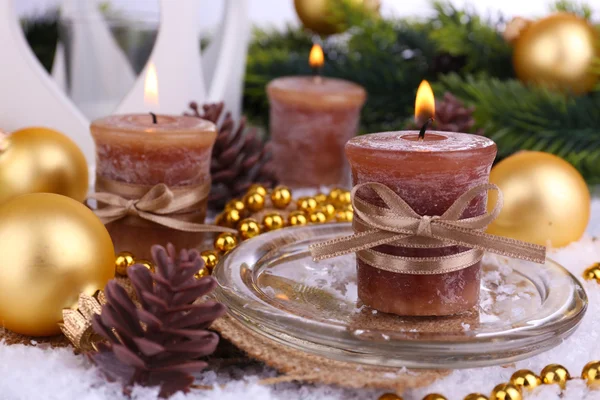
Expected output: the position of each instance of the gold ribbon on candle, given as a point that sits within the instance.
(397, 224)
(159, 204)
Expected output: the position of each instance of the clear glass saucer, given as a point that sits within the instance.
(272, 286)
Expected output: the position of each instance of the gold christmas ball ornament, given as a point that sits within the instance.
(249, 228)
(306, 204)
(533, 211)
(475, 396)
(591, 374)
(555, 373)
(281, 197)
(273, 221)
(506, 391)
(146, 263)
(344, 216)
(123, 261)
(434, 396)
(52, 249)
(41, 160)
(235, 204)
(297, 218)
(592, 272)
(525, 378)
(317, 217)
(254, 201)
(210, 258)
(389, 396)
(225, 242)
(558, 52)
(258, 188)
(318, 16)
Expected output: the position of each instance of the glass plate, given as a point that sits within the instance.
(272, 286)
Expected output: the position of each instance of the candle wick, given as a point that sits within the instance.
(153, 117)
(317, 72)
(424, 128)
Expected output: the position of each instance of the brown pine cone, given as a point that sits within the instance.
(159, 343)
(239, 157)
(451, 115)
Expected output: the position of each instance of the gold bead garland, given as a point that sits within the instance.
(475, 396)
(249, 228)
(225, 242)
(123, 261)
(211, 258)
(389, 396)
(506, 391)
(434, 396)
(555, 373)
(591, 374)
(592, 272)
(525, 378)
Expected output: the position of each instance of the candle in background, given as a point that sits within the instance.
(311, 119)
(429, 174)
(148, 149)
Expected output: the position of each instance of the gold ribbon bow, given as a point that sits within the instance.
(399, 225)
(158, 204)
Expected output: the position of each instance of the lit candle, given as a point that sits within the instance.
(148, 149)
(429, 172)
(310, 121)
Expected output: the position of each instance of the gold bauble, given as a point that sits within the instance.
(334, 195)
(344, 216)
(123, 261)
(258, 188)
(317, 217)
(558, 52)
(434, 396)
(320, 198)
(229, 218)
(273, 221)
(306, 204)
(344, 198)
(297, 218)
(316, 15)
(281, 197)
(235, 204)
(546, 201)
(249, 228)
(52, 249)
(525, 378)
(202, 273)
(506, 391)
(210, 258)
(555, 373)
(475, 396)
(226, 242)
(592, 272)
(254, 201)
(41, 160)
(591, 374)
(389, 396)
(149, 265)
(328, 209)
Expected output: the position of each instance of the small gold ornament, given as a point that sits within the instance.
(344, 216)
(148, 264)
(532, 211)
(235, 204)
(328, 209)
(592, 272)
(211, 259)
(77, 324)
(123, 261)
(225, 242)
(202, 273)
(349, 207)
(591, 374)
(317, 217)
(53, 248)
(297, 218)
(273, 221)
(317, 15)
(334, 195)
(281, 197)
(36, 160)
(434, 396)
(230, 218)
(321, 198)
(258, 188)
(475, 396)
(555, 373)
(254, 201)
(506, 391)
(525, 378)
(306, 204)
(344, 198)
(249, 228)
(389, 396)
(558, 52)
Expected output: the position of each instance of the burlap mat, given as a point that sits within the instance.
(305, 367)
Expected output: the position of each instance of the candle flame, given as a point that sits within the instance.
(316, 59)
(151, 86)
(425, 103)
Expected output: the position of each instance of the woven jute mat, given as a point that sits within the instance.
(305, 367)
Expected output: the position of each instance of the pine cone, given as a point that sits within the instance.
(159, 343)
(239, 157)
(451, 115)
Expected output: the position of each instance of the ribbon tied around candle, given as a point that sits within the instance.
(158, 204)
(397, 224)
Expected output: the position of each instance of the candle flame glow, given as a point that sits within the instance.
(151, 87)
(316, 59)
(425, 103)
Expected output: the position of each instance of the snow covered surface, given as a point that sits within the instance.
(28, 372)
